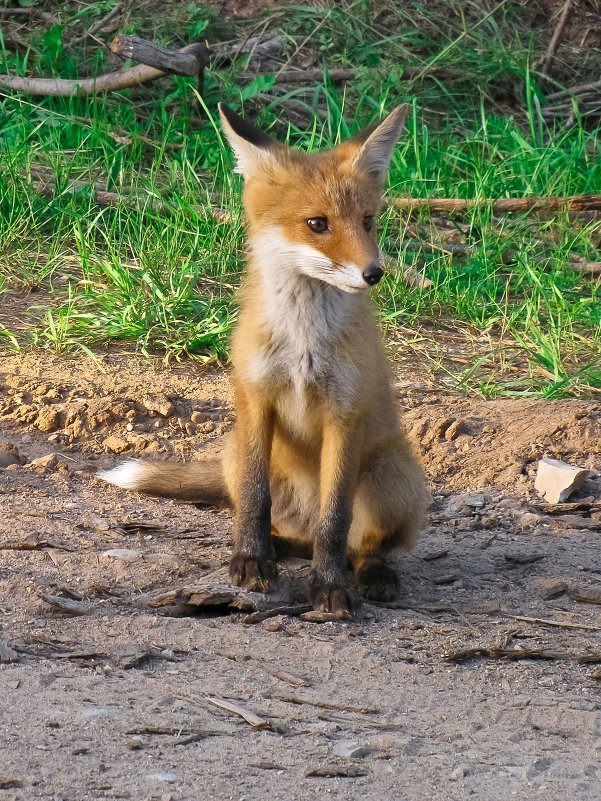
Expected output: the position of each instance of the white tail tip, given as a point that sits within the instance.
(126, 475)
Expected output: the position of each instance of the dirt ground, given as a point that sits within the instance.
(106, 693)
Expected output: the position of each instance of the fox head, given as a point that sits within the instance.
(315, 213)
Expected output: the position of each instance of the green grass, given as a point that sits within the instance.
(161, 273)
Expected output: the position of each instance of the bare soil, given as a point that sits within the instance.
(109, 698)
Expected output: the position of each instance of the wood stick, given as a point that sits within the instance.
(557, 623)
(582, 89)
(573, 203)
(188, 62)
(557, 34)
(51, 19)
(110, 82)
(98, 24)
(46, 188)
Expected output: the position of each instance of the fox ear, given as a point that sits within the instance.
(252, 147)
(376, 150)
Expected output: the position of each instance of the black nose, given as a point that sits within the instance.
(372, 274)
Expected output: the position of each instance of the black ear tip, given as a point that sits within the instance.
(244, 128)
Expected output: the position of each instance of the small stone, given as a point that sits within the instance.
(208, 427)
(350, 749)
(459, 773)
(129, 427)
(159, 404)
(135, 744)
(454, 430)
(7, 458)
(48, 420)
(48, 462)
(556, 480)
(528, 520)
(115, 444)
(123, 554)
(273, 623)
(7, 654)
(198, 417)
(552, 588)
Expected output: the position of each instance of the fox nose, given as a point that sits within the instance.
(372, 274)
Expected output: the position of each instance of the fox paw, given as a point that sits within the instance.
(377, 581)
(260, 575)
(327, 598)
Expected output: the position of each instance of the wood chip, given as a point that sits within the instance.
(336, 772)
(508, 654)
(315, 616)
(66, 605)
(296, 699)
(9, 782)
(524, 558)
(294, 611)
(288, 678)
(557, 623)
(253, 720)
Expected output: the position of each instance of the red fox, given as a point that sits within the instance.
(318, 463)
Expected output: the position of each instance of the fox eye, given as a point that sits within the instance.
(368, 222)
(319, 225)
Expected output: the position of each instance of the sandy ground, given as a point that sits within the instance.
(118, 699)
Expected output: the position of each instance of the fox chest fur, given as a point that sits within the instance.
(301, 352)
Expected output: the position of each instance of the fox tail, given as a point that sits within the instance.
(195, 482)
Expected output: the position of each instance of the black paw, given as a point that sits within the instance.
(377, 581)
(328, 598)
(260, 575)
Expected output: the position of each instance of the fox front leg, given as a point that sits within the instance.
(327, 580)
(253, 565)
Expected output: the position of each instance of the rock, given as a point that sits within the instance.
(198, 417)
(48, 420)
(115, 444)
(274, 623)
(48, 462)
(528, 520)
(551, 588)
(135, 744)
(7, 458)
(129, 656)
(123, 554)
(159, 404)
(208, 427)
(556, 480)
(459, 773)
(7, 654)
(350, 749)
(454, 430)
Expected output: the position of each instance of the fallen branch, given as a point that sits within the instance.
(110, 82)
(587, 267)
(574, 203)
(98, 24)
(189, 61)
(29, 12)
(556, 38)
(556, 623)
(573, 91)
(508, 654)
(102, 197)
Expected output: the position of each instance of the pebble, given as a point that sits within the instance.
(48, 462)
(115, 444)
(350, 749)
(198, 417)
(159, 404)
(556, 480)
(459, 773)
(273, 623)
(552, 588)
(123, 554)
(48, 420)
(7, 458)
